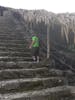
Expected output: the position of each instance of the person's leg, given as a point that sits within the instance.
(34, 58)
(37, 58)
(34, 54)
(37, 54)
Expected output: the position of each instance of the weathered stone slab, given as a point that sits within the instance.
(55, 93)
(30, 84)
(23, 73)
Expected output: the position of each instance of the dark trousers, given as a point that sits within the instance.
(35, 52)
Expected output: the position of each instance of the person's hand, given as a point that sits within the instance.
(30, 47)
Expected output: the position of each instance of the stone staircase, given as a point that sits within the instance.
(22, 79)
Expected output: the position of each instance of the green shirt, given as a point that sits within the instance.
(36, 41)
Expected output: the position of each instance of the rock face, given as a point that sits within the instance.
(61, 26)
(20, 77)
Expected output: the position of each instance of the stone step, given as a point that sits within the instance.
(21, 64)
(15, 49)
(15, 58)
(13, 41)
(27, 84)
(13, 45)
(28, 73)
(7, 74)
(5, 26)
(7, 34)
(8, 31)
(71, 79)
(7, 23)
(54, 93)
(11, 50)
(72, 90)
(11, 37)
(13, 53)
(11, 31)
(4, 29)
(4, 19)
(55, 72)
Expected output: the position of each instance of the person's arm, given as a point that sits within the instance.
(31, 44)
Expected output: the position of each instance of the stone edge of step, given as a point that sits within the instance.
(42, 92)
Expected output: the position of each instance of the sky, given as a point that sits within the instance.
(55, 6)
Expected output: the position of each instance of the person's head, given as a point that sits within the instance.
(35, 34)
